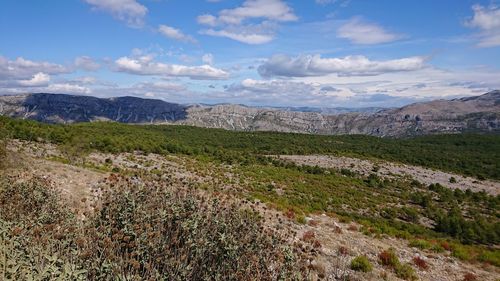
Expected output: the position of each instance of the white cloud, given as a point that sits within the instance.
(174, 33)
(243, 37)
(66, 88)
(487, 20)
(315, 65)
(386, 90)
(275, 10)
(86, 63)
(360, 32)
(207, 20)
(39, 79)
(208, 59)
(21, 68)
(231, 22)
(129, 11)
(146, 66)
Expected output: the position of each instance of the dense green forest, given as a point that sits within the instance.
(469, 154)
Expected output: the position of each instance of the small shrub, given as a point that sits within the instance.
(406, 272)
(301, 219)
(343, 251)
(491, 257)
(313, 223)
(361, 263)
(445, 245)
(437, 248)
(388, 258)
(420, 263)
(453, 180)
(316, 244)
(352, 227)
(308, 236)
(344, 219)
(460, 252)
(469, 277)
(290, 214)
(420, 244)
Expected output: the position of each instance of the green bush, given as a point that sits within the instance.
(406, 272)
(389, 258)
(420, 244)
(437, 248)
(461, 252)
(491, 257)
(361, 263)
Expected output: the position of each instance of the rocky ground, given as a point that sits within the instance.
(338, 243)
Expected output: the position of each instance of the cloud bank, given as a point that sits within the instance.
(315, 65)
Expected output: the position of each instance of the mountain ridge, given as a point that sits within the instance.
(478, 114)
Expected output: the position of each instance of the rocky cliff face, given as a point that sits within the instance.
(479, 114)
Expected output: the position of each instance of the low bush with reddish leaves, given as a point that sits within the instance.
(420, 263)
(469, 277)
(388, 258)
(308, 236)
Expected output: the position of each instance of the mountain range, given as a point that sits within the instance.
(470, 114)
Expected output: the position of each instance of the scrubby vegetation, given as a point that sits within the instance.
(3, 145)
(389, 259)
(313, 189)
(405, 272)
(361, 263)
(463, 224)
(138, 231)
(475, 155)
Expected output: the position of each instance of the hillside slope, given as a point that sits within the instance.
(53, 108)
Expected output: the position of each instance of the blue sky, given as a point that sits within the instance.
(323, 53)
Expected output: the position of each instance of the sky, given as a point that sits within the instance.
(317, 53)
